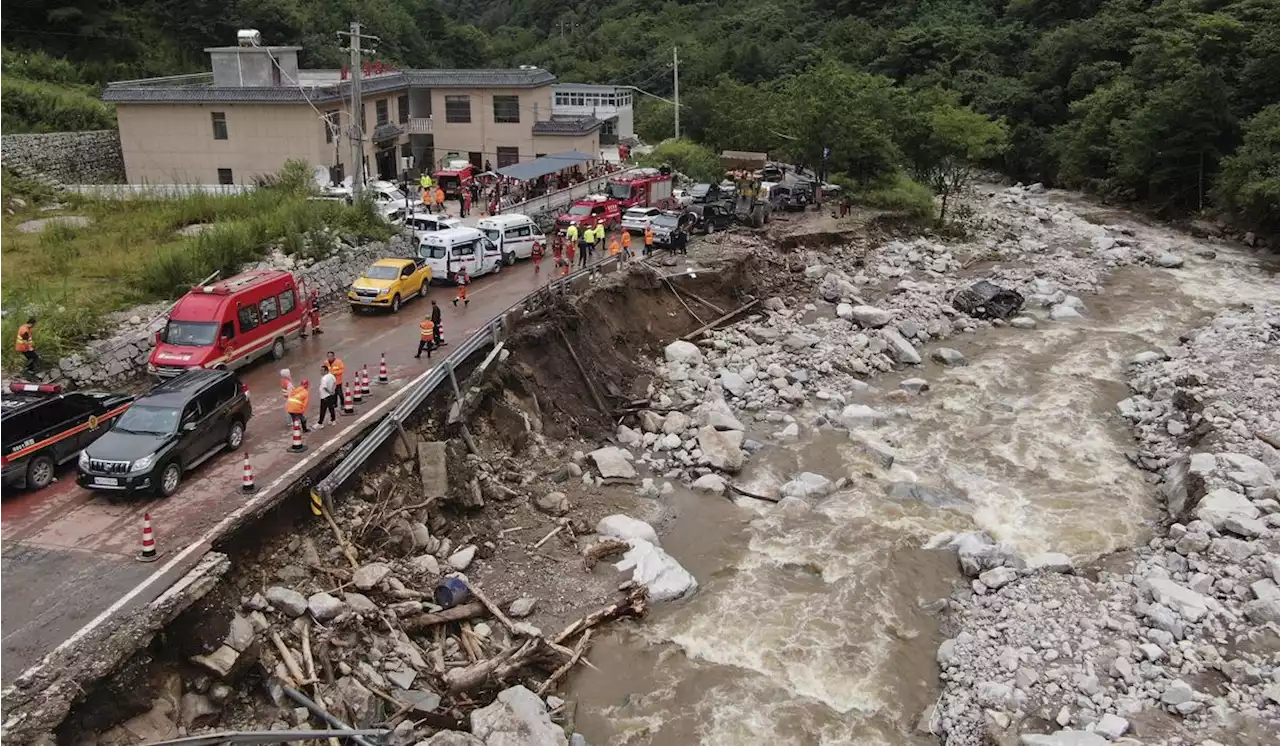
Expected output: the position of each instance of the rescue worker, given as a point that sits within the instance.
(312, 315)
(463, 279)
(27, 346)
(424, 187)
(466, 203)
(537, 257)
(626, 244)
(588, 245)
(426, 337)
(439, 328)
(615, 248)
(568, 264)
(336, 367)
(571, 237)
(557, 249)
(286, 385)
(328, 396)
(440, 199)
(648, 240)
(601, 232)
(296, 405)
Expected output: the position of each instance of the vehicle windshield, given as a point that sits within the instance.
(449, 182)
(699, 190)
(620, 191)
(636, 213)
(666, 221)
(493, 234)
(580, 210)
(190, 333)
(428, 251)
(391, 196)
(143, 419)
(381, 272)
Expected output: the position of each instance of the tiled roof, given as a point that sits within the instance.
(147, 91)
(567, 126)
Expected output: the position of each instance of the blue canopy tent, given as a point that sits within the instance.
(547, 164)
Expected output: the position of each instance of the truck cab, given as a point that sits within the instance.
(588, 210)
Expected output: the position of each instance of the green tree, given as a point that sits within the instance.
(698, 162)
(1249, 186)
(957, 141)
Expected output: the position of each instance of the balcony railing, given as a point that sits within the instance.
(419, 126)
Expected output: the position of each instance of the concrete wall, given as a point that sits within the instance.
(174, 143)
(548, 144)
(483, 134)
(92, 157)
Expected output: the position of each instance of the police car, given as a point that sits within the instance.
(43, 427)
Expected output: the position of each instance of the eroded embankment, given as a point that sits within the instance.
(351, 602)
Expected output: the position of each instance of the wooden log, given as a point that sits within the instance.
(705, 302)
(686, 305)
(307, 658)
(456, 614)
(498, 667)
(744, 493)
(707, 327)
(491, 606)
(561, 671)
(591, 386)
(547, 538)
(347, 549)
(290, 663)
(601, 549)
(635, 604)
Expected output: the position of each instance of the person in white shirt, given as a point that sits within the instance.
(328, 397)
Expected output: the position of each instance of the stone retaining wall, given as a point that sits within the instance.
(123, 357)
(92, 157)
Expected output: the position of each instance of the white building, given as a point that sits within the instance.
(610, 104)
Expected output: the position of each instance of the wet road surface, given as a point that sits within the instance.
(68, 554)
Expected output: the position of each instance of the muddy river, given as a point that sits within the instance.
(818, 626)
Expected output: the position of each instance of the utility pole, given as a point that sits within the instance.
(357, 121)
(675, 63)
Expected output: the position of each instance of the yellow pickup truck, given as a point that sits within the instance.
(388, 283)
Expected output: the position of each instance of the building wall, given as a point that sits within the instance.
(595, 102)
(548, 144)
(174, 143)
(483, 135)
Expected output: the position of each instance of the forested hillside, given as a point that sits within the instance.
(1175, 104)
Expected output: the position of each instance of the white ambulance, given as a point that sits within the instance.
(448, 251)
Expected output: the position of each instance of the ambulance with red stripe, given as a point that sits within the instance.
(44, 427)
(230, 323)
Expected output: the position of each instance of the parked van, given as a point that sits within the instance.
(514, 234)
(230, 323)
(447, 252)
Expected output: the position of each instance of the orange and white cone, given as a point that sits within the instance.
(357, 391)
(382, 370)
(348, 406)
(246, 479)
(148, 553)
(297, 446)
(364, 380)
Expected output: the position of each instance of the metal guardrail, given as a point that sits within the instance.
(394, 421)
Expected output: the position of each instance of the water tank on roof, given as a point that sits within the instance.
(249, 37)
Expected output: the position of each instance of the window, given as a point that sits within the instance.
(248, 319)
(407, 271)
(520, 232)
(267, 309)
(286, 302)
(562, 99)
(192, 413)
(508, 156)
(381, 111)
(331, 126)
(457, 109)
(506, 109)
(217, 395)
(228, 330)
(464, 249)
(402, 108)
(219, 125)
(224, 176)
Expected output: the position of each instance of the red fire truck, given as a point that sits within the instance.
(642, 187)
(591, 209)
(454, 177)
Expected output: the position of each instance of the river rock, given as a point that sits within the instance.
(1064, 312)
(733, 383)
(948, 356)
(877, 450)
(1221, 504)
(1168, 260)
(612, 463)
(675, 423)
(370, 575)
(854, 416)
(713, 483)
(914, 385)
(518, 717)
(360, 603)
(1178, 692)
(1247, 471)
(1111, 726)
(1191, 605)
(978, 552)
(665, 578)
(722, 449)
(871, 317)
(681, 351)
(628, 436)
(451, 738)
(1064, 738)
(902, 351)
(806, 485)
(553, 503)
(986, 300)
(722, 420)
(844, 311)
(286, 601)
(625, 527)
(522, 607)
(998, 577)
(426, 564)
(461, 559)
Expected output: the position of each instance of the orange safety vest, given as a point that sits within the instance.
(648, 236)
(626, 239)
(614, 248)
(427, 329)
(337, 369)
(297, 403)
(426, 196)
(24, 339)
(439, 196)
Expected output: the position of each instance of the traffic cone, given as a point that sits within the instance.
(364, 380)
(246, 480)
(357, 390)
(348, 406)
(297, 446)
(382, 370)
(148, 553)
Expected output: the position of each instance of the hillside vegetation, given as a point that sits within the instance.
(1168, 103)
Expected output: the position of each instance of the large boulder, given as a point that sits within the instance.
(625, 527)
(978, 553)
(986, 300)
(666, 578)
(612, 462)
(808, 484)
(1191, 605)
(902, 351)
(1217, 506)
(1065, 738)
(722, 448)
(871, 317)
(933, 497)
(681, 351)
(518, 717)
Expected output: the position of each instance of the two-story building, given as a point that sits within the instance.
(256, 109)
(612, 105)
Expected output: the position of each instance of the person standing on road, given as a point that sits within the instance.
(439, 328)
(313, 313)
(648, 240)
(588, 245)
(462, 203)
(537, 257)
(426, 336)
(463, 279)
(27, 346)
(296, 405)
(328, 396)
(440, 200)
(466, 203)
(286, 386)
(626, 244)
(336, 367)
(424, 189)
(615, 249)
(569, 248)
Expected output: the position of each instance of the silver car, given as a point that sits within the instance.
(636, 219)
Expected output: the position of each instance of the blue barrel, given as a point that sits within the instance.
(451, 592)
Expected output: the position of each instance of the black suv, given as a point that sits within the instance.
(44, 427)
(172, 429)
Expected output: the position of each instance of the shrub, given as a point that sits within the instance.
(898, 192)
(37, 106)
